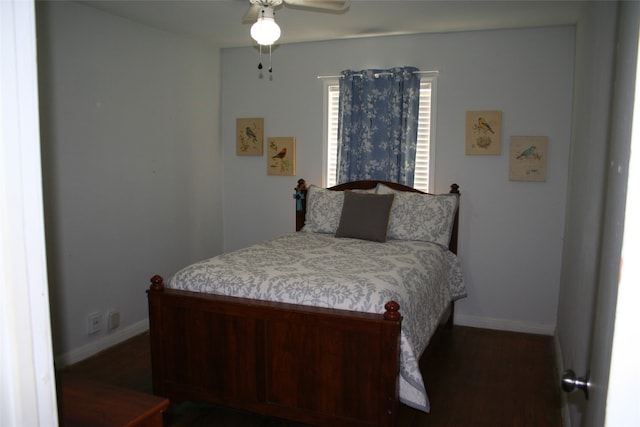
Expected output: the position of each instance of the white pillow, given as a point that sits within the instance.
(323, 210)
(424, 217)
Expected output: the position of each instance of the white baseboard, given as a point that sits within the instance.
(101, 344)
(564, 403)
(504, 324)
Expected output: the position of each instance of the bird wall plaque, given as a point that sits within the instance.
(483, 132)
(281, 155)
(249, 136)
(528, 158)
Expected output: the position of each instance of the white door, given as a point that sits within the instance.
(27, 382)
(613, 398)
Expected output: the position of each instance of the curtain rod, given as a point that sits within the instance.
(433, 73)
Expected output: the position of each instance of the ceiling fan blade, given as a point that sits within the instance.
(328, 5)
(251, 15)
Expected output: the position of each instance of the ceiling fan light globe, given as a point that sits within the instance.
(265, 31)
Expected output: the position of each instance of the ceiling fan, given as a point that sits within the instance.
(253, 12)
(265, 31)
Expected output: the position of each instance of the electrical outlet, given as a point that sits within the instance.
(94, 323)
(113, 319)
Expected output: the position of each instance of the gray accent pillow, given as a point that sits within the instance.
(365, 216)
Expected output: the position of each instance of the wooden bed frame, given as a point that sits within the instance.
(313, 365)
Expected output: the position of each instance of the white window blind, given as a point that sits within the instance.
(424, 167)
(423, 149)
(332, 132)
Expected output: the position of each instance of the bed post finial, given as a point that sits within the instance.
(392, 312)
(300, 190)
(455, 189)
(157, 283)
(301, 203)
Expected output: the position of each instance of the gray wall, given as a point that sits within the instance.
(511, 233)
(131, 162)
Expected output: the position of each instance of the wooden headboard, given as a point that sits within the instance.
(301, 202)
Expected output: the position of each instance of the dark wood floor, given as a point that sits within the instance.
(474, 378)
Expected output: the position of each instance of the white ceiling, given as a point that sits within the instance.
(219, 22)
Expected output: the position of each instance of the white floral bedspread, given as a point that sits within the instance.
(322, 270)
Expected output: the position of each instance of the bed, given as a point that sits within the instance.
(323, 326)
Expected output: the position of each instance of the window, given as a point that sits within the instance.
(424, 152)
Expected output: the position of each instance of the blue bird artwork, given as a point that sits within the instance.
(528, 158)
(251, 134)
(529, 153)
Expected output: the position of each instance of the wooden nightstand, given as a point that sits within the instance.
(84, 403)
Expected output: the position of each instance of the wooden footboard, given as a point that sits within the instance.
(313, 365)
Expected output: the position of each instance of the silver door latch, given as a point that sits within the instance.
(570, 382)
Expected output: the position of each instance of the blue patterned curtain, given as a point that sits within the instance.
(378, 125)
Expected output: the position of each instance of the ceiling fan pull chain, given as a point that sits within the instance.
(270, 67)
(260, 62)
